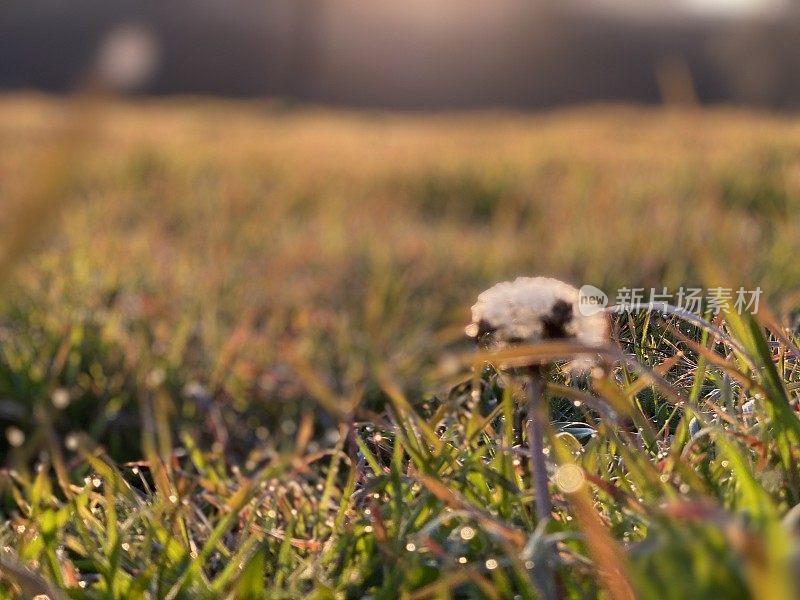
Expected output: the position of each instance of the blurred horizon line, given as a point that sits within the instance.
(413, 55)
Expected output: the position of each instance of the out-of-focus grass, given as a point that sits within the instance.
(228, 366)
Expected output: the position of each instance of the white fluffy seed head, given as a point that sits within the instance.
(532, 309)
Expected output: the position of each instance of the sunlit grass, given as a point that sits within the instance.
(234, 367)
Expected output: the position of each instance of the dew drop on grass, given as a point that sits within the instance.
(15, 436)
(60, 398)
(156, 377)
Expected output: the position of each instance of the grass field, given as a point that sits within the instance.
(232, 361)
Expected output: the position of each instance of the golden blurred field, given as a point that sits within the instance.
(226, 214)
(281, 205)
(610, 195)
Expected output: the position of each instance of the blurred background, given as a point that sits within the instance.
(421, 54)
(251, 201)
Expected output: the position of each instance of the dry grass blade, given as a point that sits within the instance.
(527, 354)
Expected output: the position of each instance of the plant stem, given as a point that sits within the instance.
(536, 414)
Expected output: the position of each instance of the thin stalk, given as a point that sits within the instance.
(536, 414)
